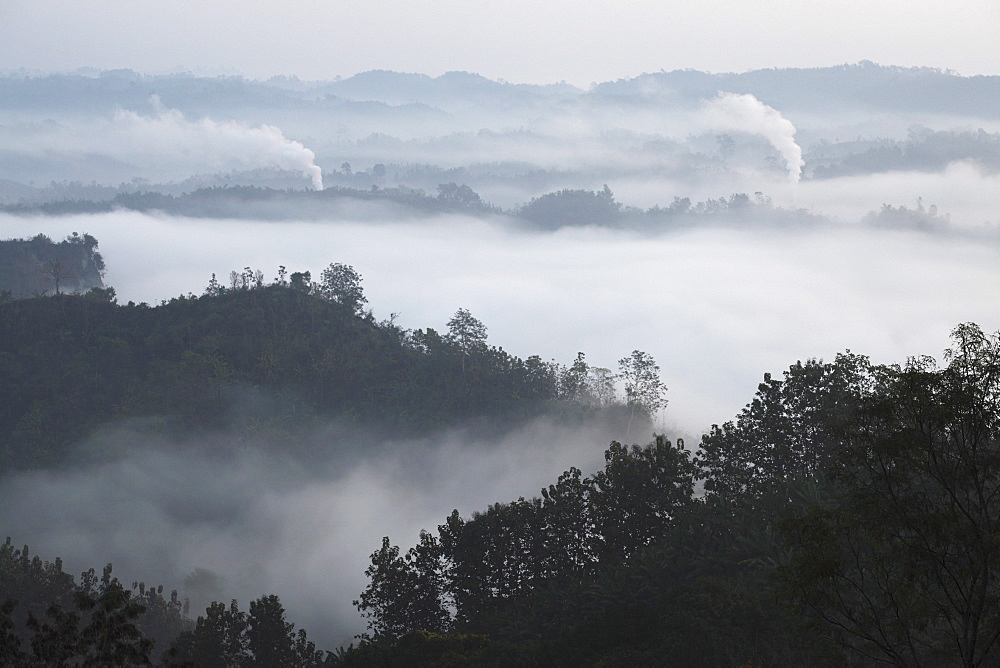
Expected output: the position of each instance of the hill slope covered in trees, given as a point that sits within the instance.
(256, 359)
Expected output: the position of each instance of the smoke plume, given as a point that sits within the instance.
(213, 144)
(159, 145)
(745, 113)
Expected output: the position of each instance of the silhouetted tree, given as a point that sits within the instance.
(902, 561)
(342, 284)
(466, 332)
(643, 388)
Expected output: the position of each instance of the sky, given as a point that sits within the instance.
(522, 41)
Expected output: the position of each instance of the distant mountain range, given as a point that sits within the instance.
(867, 84)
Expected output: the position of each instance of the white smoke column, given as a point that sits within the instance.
(745, 113)
(207, 144)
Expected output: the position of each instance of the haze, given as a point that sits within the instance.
(870, 221)
(519, 41)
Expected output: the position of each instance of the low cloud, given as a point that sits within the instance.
(716, 307)
(219, 522)
(963, 191)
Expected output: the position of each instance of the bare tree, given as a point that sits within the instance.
(57, 272)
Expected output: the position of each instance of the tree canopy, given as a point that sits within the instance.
(849, 515)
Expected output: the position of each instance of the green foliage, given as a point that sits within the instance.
(240, 201)
(48, 617)
(405, 592)
(163, 619)
(270, 639)
(638, 495)
(70, 364)
(466, 331)
(564, 208)
(923, 150)
(341, 284)
(495, 557)
(229, 637)
(102, 629)
(423, 649)
(462, 196)
(32, 584)
(494, 566)
(918, 218)
(10, 642)
(901, 561)
(111, 635)
(643, 388)
(218, 639)
(883, 480)
(572, 207)
(790, 433)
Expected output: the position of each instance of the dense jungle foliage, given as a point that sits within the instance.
(259, 359)
(850, 515)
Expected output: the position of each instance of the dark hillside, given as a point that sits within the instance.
(269, 359)
(37, 266)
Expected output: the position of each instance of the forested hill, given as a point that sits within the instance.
(847, 517)
(255, 360)
(37, 266)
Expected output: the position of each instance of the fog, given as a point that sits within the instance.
(218, 521)
(717, 304)
(963, 191)
(716, 307)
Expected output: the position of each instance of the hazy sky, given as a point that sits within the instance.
(521, 41)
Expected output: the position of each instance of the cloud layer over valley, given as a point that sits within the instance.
(219, 519)
(717, 307)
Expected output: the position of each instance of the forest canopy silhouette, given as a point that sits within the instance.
(848, 511)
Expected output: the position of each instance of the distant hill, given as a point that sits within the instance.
(864, 85)
(451, 88)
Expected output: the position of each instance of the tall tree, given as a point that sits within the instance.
(902, 562)
(495, 556)
(405, 593)
(111, 636)
(637, 497)
(270, 638)
(57, 271)
(643, 388)
(466, 332)
(342, 284)
(790, 433)
(217, 638)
